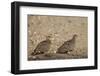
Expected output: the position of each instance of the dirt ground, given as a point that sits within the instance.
(62, 29)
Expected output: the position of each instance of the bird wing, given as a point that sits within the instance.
(42, 46)
(64, 46)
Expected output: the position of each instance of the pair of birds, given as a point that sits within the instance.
(44, 46)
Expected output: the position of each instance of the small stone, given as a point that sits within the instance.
(34, 32)
(34, 57)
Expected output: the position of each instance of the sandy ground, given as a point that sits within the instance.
(62, 29)
(56, 56)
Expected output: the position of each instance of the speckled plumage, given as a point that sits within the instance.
(42, 47)
(67, 46)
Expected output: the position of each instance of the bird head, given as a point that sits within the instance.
(75, 35)
(49, 37)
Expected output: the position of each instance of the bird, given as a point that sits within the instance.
(43, 46)
(67, 46)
